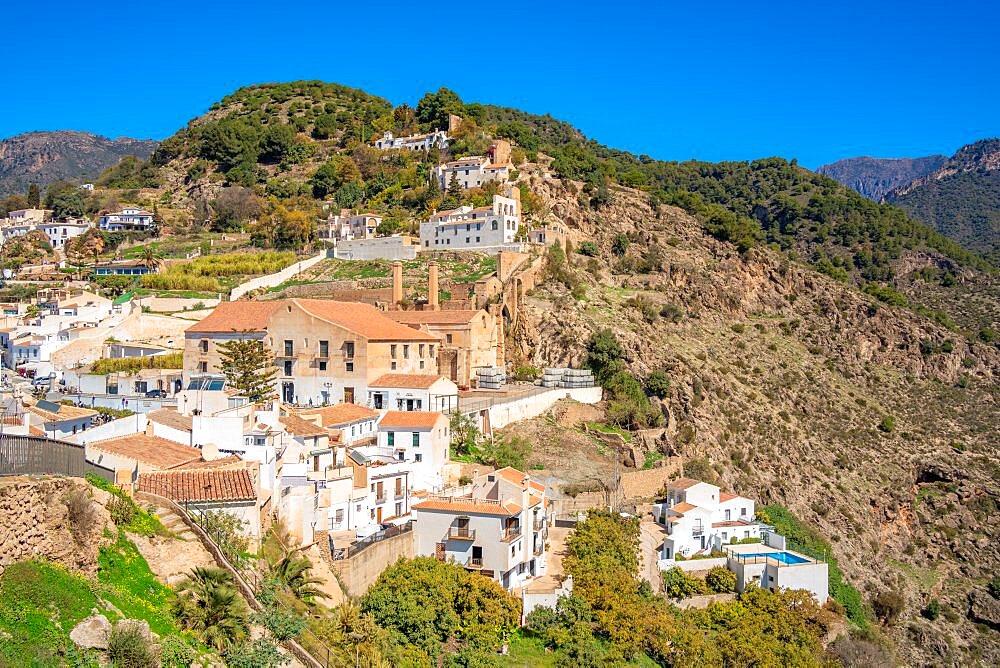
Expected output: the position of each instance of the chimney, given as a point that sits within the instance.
(432, 286)
(397, 284)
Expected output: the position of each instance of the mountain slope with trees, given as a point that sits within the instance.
(41, 158)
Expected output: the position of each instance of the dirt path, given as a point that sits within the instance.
(651, 539)
(171, 559)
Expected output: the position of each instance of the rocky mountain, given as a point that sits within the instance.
(873, 423)
(961, 198)
(44, 157)
(875, 177)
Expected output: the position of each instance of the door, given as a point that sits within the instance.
(409, 404)
(380, 493)
(378, 515)
(348, 395)
(378, 400)
(287, 392)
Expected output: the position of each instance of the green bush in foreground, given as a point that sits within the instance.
(721, 580)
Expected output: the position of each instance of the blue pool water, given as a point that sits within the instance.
(784, 557)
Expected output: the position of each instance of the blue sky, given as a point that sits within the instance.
(674, 80)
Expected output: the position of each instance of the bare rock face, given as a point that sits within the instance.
(984, 609)
(57, 518)
(92, 632)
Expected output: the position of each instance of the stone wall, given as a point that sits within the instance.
(35, 521)
(359, 572)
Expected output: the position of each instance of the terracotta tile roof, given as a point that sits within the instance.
(462, 504)
(683, 507)
(239, 316)
(232, 461)
(409, 420)
(456, 317)
(683, 483)
(65, 413)
(515, 476)
(297, 426)
(205, 485)
(340, 414)
(410, 381)
(728, 496)
(169, 417)
(362, 319)
(152, 450)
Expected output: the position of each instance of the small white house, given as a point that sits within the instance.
(355, 423)
(468, 227)
(770, 565)
(699, 517)
(129, 218)
(412, 392)
(423, 142)
(419, 438)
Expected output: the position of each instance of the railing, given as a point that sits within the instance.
(399, 495)
(539, 549)
(510, 533)
(461, 533)
(365, 543)
(474, 562)
(539, 523)
(23, 455)
(698, 530)
(381, 499)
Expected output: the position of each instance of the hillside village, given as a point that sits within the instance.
(384, 387)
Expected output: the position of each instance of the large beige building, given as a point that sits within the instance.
(470, 339)
(325, 351)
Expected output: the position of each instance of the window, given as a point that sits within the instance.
(203, 367)
(392, 438)
(400, 455)
(421, 350)
(477, 240)
(288, 348)
(418, 458)
(743, 512)
(727, 519)
(288, 368)
(416, 439)
(430, 350)
(725, 536)
(322, 366)
(448, 338)
(340, 515)
(324, 348)
(421, 364)
(392, 366)
(392, 351)
(204, 345)
(495, 226)
(349, 349)
(406, 352)
(349, 365)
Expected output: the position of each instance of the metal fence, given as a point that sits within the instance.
(365, 543)
(36, 455)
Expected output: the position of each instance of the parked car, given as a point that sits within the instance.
(156, 394)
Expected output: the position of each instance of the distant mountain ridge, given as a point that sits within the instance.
(44, 157)
(875, 177)
(961, 198)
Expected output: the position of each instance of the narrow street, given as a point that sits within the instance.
(651, 536)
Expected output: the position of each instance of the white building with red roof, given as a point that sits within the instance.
(412, 392)
(498, 526)
(699, 517)
(419, 439)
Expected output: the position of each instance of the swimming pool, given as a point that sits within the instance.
(783, 557)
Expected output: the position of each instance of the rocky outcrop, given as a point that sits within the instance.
(984, 609)
(92, 632)
(60, 519)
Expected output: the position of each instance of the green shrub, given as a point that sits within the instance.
(122, 510)
(993, 587)
(888, 606)
(175, 652)
(658, 384)
(620, 245)
(173, 360)
(720, 579)
(888, 424)
(933, 610)
(588, 248)
(677, 584)
(129, 646)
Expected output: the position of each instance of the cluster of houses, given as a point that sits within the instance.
(61, 232)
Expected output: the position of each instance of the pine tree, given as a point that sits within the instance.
(248, 368)
(453, 198)
(34, 195)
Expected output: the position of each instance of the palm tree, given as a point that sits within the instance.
(293, 572)
(150, 258)
(208, 603)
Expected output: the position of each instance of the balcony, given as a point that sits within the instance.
(698, 530)
(539, 549)
(474, 563)
(399, 496)
(381, 499)
(461, 533)
(539, 523)
(509, 534)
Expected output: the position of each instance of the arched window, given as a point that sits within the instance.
(495, 225)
